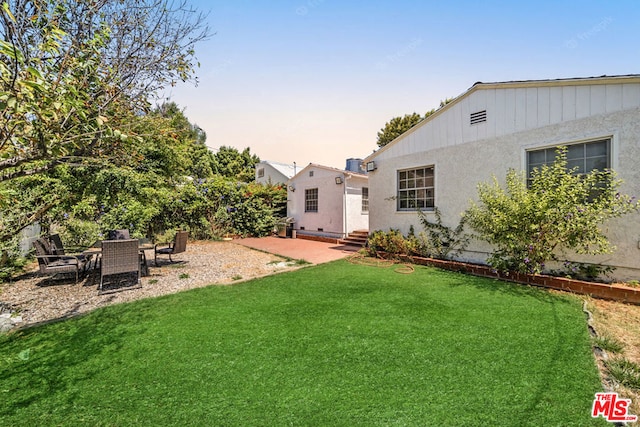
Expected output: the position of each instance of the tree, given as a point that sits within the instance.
(396, 127)
(231, 163)
(70, 70)
(560, 210)
(399, 125)
(75, 77)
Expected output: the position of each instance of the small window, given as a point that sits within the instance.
(365, 199)
(310, 173)
(311, 200)
(416, 189)
(479, 117)
(261, 173)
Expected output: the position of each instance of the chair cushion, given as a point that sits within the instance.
(164, 251)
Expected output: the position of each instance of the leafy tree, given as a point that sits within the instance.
(560, 210)
(71, 69)
(74, 78)
(399, 125)
(231, 163)
(396, 127)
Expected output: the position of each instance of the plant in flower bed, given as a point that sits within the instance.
(391, 242)
(440, 241)
(436, 241)
(559, 210)
(584, 271)
(624, 371)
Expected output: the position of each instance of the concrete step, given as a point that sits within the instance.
(357, 238)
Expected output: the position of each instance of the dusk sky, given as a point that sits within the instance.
(313, 81)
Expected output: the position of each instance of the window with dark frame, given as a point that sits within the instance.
(311, 200)
(365, 199)
(416, 189)
(584, 156)
(261, 173)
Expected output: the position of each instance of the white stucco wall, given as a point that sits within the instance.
(463, 157)
(339, 205)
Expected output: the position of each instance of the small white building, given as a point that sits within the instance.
(328, 202)
(268, 172)
(493, 127)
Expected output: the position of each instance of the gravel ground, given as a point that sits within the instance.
(34, 299)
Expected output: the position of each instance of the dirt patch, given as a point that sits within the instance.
(621, 322)
(38, 299)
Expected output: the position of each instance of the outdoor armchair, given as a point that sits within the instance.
(178, 245)
(118, 257)
(53, 263)
(57, 248)
(122, 234)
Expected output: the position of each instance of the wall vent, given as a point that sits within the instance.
(479, 117)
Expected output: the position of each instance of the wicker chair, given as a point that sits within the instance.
(119, 256)
(119, 234)
(54, 263)
(57, 248)
(178, 245)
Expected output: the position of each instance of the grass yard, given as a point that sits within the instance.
(329, 345)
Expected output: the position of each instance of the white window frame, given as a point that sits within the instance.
(415, 189)
(310, 201)
(365, 200)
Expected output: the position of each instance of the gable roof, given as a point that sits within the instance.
(284, 168)
(330, 169)
(574, 81)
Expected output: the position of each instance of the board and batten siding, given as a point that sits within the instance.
(514, 110)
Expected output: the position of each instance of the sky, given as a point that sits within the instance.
(314, 81)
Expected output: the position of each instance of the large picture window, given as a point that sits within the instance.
(416, 189)
(311, 200)
(585, 157)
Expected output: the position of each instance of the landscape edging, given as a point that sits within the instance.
(596, 290)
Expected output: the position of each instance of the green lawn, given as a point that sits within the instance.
(335, 344)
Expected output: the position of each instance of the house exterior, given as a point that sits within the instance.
(268, 172)
(493, 127)
(328, 202)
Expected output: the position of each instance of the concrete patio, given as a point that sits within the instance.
(309, 250)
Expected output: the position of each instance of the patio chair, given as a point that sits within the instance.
(122, 234)
(57, 248)
(53, 263)
(178, 245)
(119, 257)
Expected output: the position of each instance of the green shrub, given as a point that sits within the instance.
(624, 371)
(584, 271)
(609, 344)
(438, 240)
(559, 210)
(393, 243)
(11, 262)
